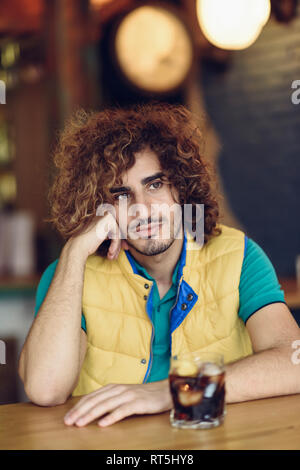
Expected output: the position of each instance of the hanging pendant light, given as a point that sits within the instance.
(232, 24)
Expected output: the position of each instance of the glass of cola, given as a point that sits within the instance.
(197, 386)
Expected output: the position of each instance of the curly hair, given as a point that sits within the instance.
(96, 148)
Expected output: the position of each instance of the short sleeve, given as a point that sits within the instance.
(43, 287)
(259, 284)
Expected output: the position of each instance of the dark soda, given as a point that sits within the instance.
(198, 398)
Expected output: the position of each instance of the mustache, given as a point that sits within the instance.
(144, 223)
(138, 224)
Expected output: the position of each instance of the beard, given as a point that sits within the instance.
(154, 246)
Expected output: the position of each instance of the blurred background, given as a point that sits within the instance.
(234, 63)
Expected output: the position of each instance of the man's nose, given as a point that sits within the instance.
(146, 202)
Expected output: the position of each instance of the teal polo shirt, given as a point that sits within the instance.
(161, 322)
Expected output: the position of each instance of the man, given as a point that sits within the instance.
(112, 310)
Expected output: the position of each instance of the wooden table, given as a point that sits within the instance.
(272, 423)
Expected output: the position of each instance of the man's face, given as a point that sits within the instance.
(148, 215)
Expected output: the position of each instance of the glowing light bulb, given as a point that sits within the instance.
(232, 24)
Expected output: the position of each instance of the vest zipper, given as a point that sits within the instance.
(153, 330)
(171, 310)
(151, 353)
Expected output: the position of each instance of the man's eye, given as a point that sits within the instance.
(156, 184)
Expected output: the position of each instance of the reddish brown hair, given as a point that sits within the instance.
(95, 149)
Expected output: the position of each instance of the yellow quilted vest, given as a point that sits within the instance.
(119, 330)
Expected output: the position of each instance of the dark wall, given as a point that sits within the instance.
(259, 127)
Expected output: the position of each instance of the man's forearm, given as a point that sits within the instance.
(51, 354)
(267, 373)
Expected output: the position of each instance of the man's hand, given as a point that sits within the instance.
(87, 242)
(120, 401)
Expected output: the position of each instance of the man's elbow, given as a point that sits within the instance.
(42, 391)
(21, 366)
(45, 397)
